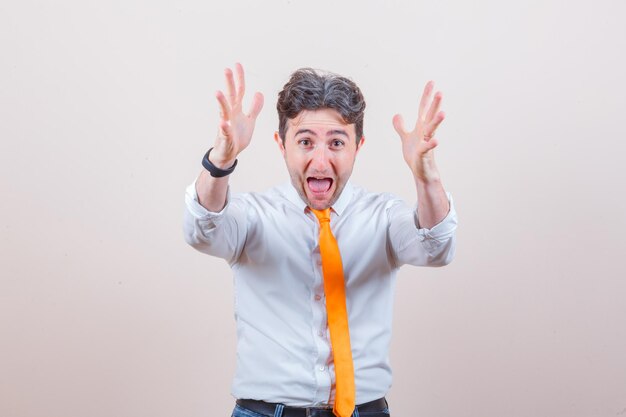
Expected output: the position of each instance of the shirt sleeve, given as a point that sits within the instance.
(221, 234)
(420, 246)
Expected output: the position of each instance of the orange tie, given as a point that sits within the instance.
(335, 290)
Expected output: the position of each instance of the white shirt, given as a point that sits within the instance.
(270, 240)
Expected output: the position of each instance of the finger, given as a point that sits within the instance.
(434, 107)
(256, 106)
(224, 107)
(241, 81)
(230, 86)
(428, 89)
(429, 131)
(431, 144)
(398, 124)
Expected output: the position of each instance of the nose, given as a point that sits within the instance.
(320, 159)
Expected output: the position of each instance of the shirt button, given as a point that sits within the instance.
(321, 333)
(318, 297)
(321, 368)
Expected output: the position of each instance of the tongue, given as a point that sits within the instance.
(319, 185)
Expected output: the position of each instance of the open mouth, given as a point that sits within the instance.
(319, 185)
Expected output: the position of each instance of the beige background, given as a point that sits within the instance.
(107, 107)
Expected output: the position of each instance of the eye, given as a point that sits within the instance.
(305, 143)
(337, 143)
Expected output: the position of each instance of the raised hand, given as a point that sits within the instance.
(418, 144)
(235, 127)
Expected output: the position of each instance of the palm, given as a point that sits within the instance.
(240, 129)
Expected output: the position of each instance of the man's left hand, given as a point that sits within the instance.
(419, 143)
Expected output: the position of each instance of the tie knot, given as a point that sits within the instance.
(322, 215)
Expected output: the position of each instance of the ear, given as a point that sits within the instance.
(279, 141)
(361, 142)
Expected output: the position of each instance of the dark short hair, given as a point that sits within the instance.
(310, 89)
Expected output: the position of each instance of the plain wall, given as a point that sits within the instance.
(107, 108)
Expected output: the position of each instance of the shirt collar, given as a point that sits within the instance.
(289, 192)
(339, 207)
(344, 199)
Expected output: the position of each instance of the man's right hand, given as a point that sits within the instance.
(235, 127)
(233, 136)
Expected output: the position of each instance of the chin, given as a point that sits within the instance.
(322, 205)
(319, 204)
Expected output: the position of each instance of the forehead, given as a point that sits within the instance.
(319, 120)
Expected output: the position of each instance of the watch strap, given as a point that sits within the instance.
(215, 171)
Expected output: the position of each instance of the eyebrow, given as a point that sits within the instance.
(330, 132)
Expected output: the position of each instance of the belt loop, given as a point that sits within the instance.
(278, 412)
(356, 412)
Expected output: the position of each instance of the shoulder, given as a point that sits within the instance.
(272, 198)
(373, 202)
(362, 196)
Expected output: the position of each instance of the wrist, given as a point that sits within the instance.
(426, 175)
(219, 160)
(221, 163)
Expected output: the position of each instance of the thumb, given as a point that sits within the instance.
(225, 129)
(398, 124)
(257, 105)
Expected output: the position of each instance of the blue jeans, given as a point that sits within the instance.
(239, 411)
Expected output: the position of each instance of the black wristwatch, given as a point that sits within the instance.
(215, 171)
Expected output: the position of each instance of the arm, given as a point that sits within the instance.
(426, 236)
(418, 151)
(234, 135)
(221, 234)
(417, 246)
(209, 225)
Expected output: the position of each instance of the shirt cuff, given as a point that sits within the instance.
(196, 209)
(442, 230)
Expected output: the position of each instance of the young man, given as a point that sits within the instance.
(315, 260)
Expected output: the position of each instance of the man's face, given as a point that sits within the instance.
(319, 150)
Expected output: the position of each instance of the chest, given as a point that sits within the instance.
(289, 246)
